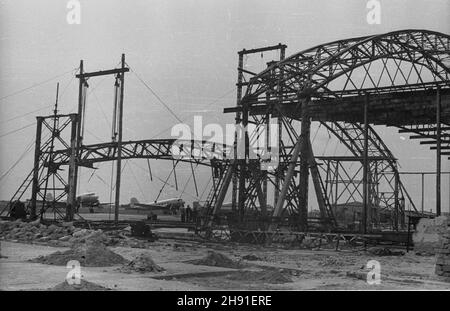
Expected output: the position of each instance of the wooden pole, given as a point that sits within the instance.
(79, 138)
(37, 154)
(365, 166)
(438, 152)
(119, 144)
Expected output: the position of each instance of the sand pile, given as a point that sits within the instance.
(142, 263)
(271, 276)
(217, 260)
(89, 255)
(84, 286)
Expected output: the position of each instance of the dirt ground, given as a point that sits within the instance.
(286, 269)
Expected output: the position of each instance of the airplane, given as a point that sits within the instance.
(165, 205)
(88, 199)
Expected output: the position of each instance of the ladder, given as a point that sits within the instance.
(214, 193)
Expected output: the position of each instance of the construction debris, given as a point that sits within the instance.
(251, 257)
(384, 251)
(216, 259)
(64, 235)
(427, 237)
(443, 257)
(142, 263)
(91, 254)
(83, 286)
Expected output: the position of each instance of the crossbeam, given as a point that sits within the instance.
(102, 73)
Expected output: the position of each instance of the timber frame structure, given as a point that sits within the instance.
(399, 79)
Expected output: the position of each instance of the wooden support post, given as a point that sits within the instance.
(79, 138)
(222, 192)
(365, 166)
(397, 213)
(423, 192)
(287, 179)
(304, 166)
(37, 157)
(237, 120)
(243, 163)
(438, 152)
(71, 195)
(280, 129)
(119, 144)
(320, 195)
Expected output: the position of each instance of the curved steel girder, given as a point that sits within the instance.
(377, 147)
(432, 48)
(194, 151)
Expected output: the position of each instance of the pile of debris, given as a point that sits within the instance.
(93, 253)
(142, 263)
(216, 259)
(63, 234)
(35, 231)
(428, 233)
(83, 286)
(251, 257)
(443, 257)
(384, 251)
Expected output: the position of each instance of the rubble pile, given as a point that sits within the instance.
(251, 257)
(142, 263)
(428, 233)
(83, 286)
(216, 259)
(384, 251)
(64, 234)
(90, 254)
(35, 231)
(443, 257)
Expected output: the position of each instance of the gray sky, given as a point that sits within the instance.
(186, 51)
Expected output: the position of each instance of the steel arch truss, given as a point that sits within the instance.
(312, 71)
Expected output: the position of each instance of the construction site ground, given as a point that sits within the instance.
(286, 269)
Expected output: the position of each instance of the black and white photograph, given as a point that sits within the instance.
(224, 150)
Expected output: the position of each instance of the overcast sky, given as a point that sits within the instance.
(186, 51)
